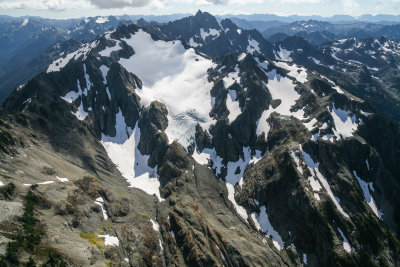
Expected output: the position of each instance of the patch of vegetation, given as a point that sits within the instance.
(47, 170)
(4, 124)
(55, 259)
(21, 119)
(94, 240)
(28, 237)
(7, 191)
(6, 139)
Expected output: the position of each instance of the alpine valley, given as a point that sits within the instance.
(199, 143)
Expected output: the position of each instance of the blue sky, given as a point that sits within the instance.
(80, 8)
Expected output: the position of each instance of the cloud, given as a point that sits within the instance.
(110, 4)
(350, 5)
(120, 3)
(54, 5)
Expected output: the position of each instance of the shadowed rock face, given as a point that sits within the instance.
(291, 171)
(153, 140)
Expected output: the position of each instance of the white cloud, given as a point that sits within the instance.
(59, 5)
(350, 5)
(119, 3)
(55, 5)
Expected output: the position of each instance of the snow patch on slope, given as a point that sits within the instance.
(211, 32)
(99, 201)
(345, 125)
(297, 161)
(300, 74)
(366, 187)
(60, 63)
(110, 240)
(233, 77)
(232, 105)
(108, 50)
(123, 152)
(253, 46)
(262, 222)
(104, 71)
(280, 88)
(284, 54)
(314, 169)
(346, 244)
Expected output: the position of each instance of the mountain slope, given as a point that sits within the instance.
(368, 68)
(173, 156)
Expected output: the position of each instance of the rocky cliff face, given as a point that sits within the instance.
(142, 149)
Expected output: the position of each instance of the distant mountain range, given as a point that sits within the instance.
(26, 41)
(381, 18)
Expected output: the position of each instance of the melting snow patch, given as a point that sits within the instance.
(314, 169)
(232, 105)
(262, 124)
(284, 54)
(263, 65)
(300, 74)
(108, 50)
(192, 43)
(80, 114)
(62, 180)
(176, 77)
(253, 46)
(262, 223)
(280, 88)
(201, 158)
(297, 161)
(346, 244)
(24, 23)
(283, 88)
(206, 155)
(222, 255)
(231, 196)
(233, 77)
(99, 201)
(156, 226)
(234, 176)
(241, 56)
(110, 240)
(304, 258)
(60, 63)
(310, 125)
(1, 183)
(72, 96)
(44, 183)
(108, 93)
(366, 114)
(367, 163)
(256, 157)
(211, 32)
(123, 152)
(104, 70)
(367, 195)
(345, 125)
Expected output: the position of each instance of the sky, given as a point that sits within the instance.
(86, 8)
